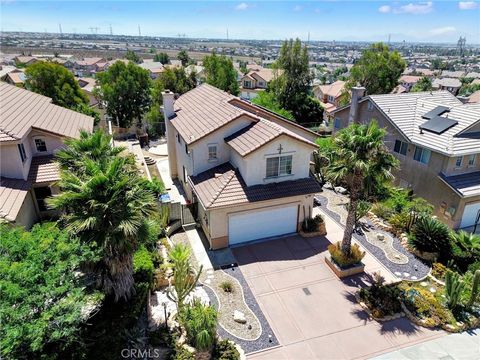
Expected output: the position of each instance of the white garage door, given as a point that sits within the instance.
(262, 224)
(470, 215)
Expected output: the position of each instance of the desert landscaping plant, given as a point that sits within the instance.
(354, 257)
(429, 234)
(475, 286)
(185, 276)
(226, 286)
(453, 288)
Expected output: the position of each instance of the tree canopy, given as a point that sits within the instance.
(133, 56)
(424, 84)
(44, 302)
(183, 57)
(125, 89)
(378, 70)
(267, 100)
(162, 57)
(220, 73)
(56, 82)
(292, 87)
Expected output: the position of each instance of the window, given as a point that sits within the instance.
(279, 166)
(40, 145)
(458, 161)
(247, 84)
(179, 138)
(331, 99)
(186, 148)
(41, 193)
(212, 152)
(337, 123)
(23, 154)
(400, 147)
(471, 160)
(422, 155)
(370, 106)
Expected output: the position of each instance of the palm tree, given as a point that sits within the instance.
(361, 162)
(97, 147)
(107, 206)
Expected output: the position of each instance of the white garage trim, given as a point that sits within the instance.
(254, 225)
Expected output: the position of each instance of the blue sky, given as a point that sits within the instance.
(432, 21)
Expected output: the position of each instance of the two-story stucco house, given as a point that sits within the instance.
(256, 80)
(437, 140)
(247, 168)
(32, 129)
(330, 96)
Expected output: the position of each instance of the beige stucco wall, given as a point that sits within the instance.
(11, 163)
(255, 163)
(218, 218)
(54, 143)
(27, 215)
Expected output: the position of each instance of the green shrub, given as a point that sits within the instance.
(143, 267)
(355, 257)
(200, 323)
(439, 270)
(363, 207)
(226, 286)
(399, 221)
(225, 350)
(383, 299)
(311, 225)
(431, 235)
(382, 211)
(465, 249)
(426, 306)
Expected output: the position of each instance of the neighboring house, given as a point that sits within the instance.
(153, 67)
(87, 85)
(437, 140)
(474, 75)
(450, 84)
(330, 97)
(16, 77)
(89, 66)
(199, 71)
(474, 98)
(25, 60)
(408, 81)
(452, 74)
(256, 80)
(66, 62)
(422, 72)
(245, 169)
(32, 129)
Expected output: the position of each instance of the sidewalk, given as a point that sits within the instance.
(465, 346)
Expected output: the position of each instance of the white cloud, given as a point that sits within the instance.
(298, 8)
(418, 8)
(443, 30)
(467, 5)
(385, 9)
(242, 6)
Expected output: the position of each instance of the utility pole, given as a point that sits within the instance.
(60, 28)
(111, 31)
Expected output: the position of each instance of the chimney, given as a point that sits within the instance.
(357, 94)
(168, 101)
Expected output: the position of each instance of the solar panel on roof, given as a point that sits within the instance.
(438, 124)
(439, 110)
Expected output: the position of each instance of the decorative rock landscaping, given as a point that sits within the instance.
(414, 269)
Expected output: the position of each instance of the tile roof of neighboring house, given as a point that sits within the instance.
(399, 89)
(409, 79)
(223, 186)
(17, 77)
(23, 110)
(258, 134)
(5, 69)
(334, 89)
(329, 108)
(89, 61)
(465, 185)
(204, 109)
(448, 82)
(87, 83)
(25, 59)
(266, 74)
(152, 66)
(452, 74)
(475, 75)
(474, 98)
(405, 112)
(43, 169)
(12, 194)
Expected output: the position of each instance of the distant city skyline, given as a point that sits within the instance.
(412, 21)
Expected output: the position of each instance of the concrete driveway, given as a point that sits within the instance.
(313, 313)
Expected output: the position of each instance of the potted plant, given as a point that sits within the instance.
(345, 265)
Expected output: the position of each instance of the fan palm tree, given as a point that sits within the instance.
(107, 206)
(361, 162)
(97, 147)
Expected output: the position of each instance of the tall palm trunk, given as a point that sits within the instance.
(119, 279)
(355, 187)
